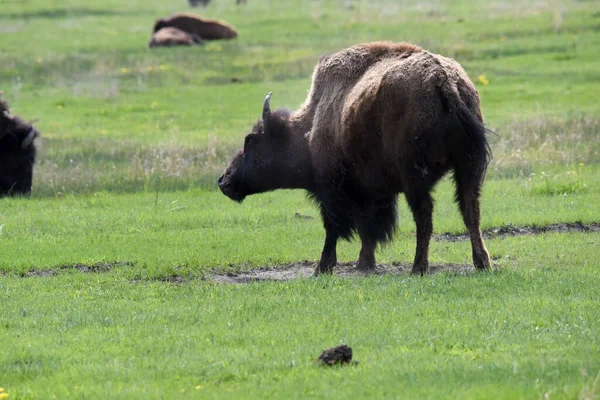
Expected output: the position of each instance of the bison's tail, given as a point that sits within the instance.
(480, 152)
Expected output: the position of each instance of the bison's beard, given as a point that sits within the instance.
(233, 195)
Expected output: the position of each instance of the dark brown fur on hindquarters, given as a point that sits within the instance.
(207, 29)
(336, 355)
(17, 153)
(380, 119)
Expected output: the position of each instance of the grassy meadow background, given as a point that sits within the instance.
(104, 272)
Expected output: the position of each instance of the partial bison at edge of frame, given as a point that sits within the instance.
(17, 153)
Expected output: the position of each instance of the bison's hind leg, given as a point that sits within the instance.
(376, 224)
(421, 204)
(418, 182)
(470, 164)
(468, 187)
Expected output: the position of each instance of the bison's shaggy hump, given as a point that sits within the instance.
(359, 93)
(207, 29)
(173, 37)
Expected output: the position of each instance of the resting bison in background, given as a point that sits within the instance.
(167, 37)
(380, 119)
(207, 29)
(196, 3)
(204, 3)
(17, 153)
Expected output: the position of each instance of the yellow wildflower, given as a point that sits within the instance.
(59, 107)
(213, 47)
(154, 104)
(150, 68)
(104, 131)
(162, 67)
(199, 387)
(484, 81)
(124, 70)
(3, 395)
(1, 390)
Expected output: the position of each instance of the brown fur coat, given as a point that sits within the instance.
(368, 93)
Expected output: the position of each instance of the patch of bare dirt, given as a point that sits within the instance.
(304, 269)
(525, 230)
(83, 268)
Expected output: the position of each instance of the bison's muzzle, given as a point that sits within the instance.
(230, 189)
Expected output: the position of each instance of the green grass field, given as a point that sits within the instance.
(105, 273)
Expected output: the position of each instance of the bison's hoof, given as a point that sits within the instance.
(365, 267)
(419, 270)
(322, 271)
(482, 263)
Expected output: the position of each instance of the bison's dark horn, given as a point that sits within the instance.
(29, 139)
(267, 106)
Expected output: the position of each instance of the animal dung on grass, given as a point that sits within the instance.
(195, 25)
(167, 37)
(17, 153)
(336, 355)
(380, 119)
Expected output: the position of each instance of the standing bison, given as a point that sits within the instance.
(380, 119)
(204, 28)
(17, 153)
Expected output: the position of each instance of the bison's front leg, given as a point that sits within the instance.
(329, 254)
(366, 257)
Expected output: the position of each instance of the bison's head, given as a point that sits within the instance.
(17, 153)
(160, 23)
(268, 161)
